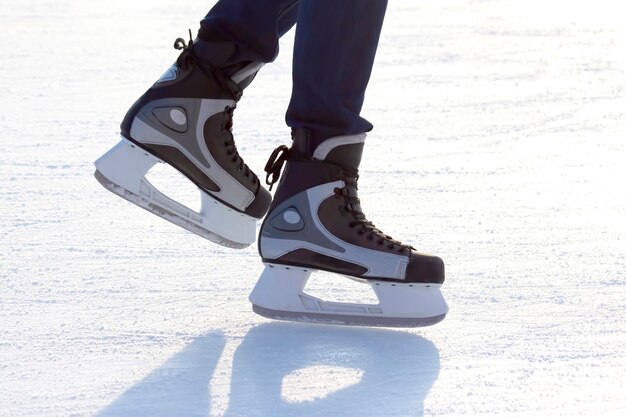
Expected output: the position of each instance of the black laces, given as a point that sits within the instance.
(275, 164)
(350, 194)
(188, 58)
(353, 207)
(231, 148)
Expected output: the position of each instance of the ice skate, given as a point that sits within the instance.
(185, 120)
(316, 223)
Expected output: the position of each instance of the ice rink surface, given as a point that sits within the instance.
(499, 145)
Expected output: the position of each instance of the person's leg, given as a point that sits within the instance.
(253, 26)
(315, 221)
(334, 52)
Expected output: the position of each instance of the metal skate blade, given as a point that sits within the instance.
(165, 213)
(347, 320)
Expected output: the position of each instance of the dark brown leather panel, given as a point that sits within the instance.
(425, 269)
(216, 136)
(337, 220)
(300, 175)
(261, 203)
(305, 258)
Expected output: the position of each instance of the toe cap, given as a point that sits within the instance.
(261, 203)
(425, 269)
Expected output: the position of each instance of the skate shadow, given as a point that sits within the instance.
(398, 369)
(179, 387)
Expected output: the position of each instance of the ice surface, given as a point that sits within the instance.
(499, 145)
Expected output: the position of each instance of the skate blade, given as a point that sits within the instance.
(279, 294)
(165, 213)
(346, 320)
(122, 171)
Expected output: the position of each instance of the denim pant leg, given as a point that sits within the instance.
(255, 26)
(334, 52)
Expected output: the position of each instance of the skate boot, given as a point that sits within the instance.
(316, 223)
(185, 120)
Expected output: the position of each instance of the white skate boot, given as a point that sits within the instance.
(185, 120)
(315, 223)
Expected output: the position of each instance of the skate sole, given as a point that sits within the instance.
(280, 294)
(165, 213)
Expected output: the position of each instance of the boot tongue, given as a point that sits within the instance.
(345, 151)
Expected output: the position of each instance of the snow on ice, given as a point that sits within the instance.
(499, 145)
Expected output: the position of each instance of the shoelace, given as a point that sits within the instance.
(353, 207)
(231, 148)
(187, 58)
(275, 164)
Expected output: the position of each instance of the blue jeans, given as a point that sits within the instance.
(334, 51)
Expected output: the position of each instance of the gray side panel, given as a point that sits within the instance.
(289, 220)
(300, 238)
(148, 129)
(329, 144)
(315, 237)
(174, 118)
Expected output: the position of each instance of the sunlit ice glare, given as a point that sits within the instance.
(315, 382)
